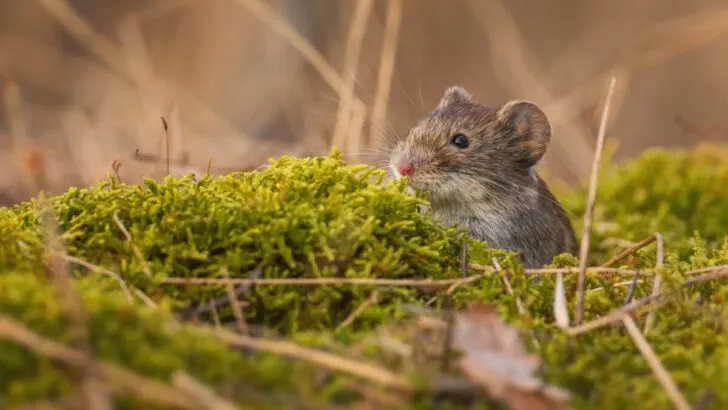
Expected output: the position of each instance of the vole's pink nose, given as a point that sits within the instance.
(406, 168)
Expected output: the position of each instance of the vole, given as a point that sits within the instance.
(478, 165)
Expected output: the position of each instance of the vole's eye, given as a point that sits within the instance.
(459, 140)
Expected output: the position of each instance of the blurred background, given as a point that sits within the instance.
(85, 83)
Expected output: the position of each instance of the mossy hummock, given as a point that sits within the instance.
(319, 217)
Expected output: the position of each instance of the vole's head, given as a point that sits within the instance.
(463, 149)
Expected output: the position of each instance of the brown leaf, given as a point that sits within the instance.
(494, 357)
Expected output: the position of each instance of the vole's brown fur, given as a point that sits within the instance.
(489, 187)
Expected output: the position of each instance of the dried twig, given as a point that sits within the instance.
(363, 370)
(203, 395)
(519, 302)
(386, 67)
(551, 271)
(658, 279)
(98, 269)
(147, 301)
(421, 283)
(507, 283)
(234, 303)
(616, 315)
(119, 379)
(589, 214)
(371, 300)
(134, 248)
(662, 375)
(627, 252)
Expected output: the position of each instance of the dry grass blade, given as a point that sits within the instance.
(387, 60)
(509, 288)
(372, 299)
(362, 370)
(658, 279)
(203, 395)
(422, 283)
(662, 375)
(627, 252)
(589, 215)
(119, 379)
(146, 299)
(93, 386)
(98, 269)
(551, 271)
(351, 62)
(134, 248)
(234, 303)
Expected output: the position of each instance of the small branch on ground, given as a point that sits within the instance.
(627, 252)
(362, 370)
(662, 375)
(98, 269)
(234, 303)
(371, 300)
(658, 279)
(134, 248)
(203, 395)
(421, 283)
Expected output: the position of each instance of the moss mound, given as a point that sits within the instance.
(673, 192)
(313, 218)
(319, 218)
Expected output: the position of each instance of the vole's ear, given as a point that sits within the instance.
(528, 127)
(453, 95)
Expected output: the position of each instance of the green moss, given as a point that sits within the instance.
(318, 217)
(673, 192)
(313, 218)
